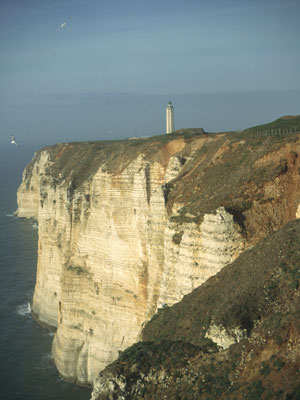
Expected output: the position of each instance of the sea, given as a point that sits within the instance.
(27, 371)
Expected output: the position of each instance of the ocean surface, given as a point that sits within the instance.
(26, 368)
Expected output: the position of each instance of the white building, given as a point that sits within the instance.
(170, 118)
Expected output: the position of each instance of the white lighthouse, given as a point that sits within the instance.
(170, 118)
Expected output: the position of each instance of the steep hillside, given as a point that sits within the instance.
(235, 337)
(129, 226)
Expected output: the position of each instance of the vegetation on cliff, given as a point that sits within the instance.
(258, 294)
(240, 171)
(287, 123)
(237, 336)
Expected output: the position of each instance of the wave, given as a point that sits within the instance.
(24, 309)
(10, 215)
(47, 357)
(46, 362)
(34, 226)
(49, 333)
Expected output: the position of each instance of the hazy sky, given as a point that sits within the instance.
(109, 73)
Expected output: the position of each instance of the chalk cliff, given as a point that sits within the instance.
(127, 227)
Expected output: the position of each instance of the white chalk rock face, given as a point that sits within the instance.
(28, 195)
(109, 256)
(220, 241)
(224, 337)
(112, 277)
(298, 212)
(193, 253)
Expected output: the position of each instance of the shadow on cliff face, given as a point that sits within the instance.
(258, 296)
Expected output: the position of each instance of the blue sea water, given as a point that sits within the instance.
(26, 368)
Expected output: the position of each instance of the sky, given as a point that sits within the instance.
(111, 70)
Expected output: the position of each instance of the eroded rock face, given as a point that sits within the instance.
(193, 253)
(108, 258)
(29, 193)
(122, 232)
(225, 337)
(112, 277)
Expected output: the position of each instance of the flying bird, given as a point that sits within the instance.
(13, 141)
(63, 25)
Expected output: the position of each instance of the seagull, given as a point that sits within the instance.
(63, 25)
(13, 141)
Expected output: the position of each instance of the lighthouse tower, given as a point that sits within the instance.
(170, 118)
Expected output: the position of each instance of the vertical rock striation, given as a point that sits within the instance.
(194, 252)
(111, 250)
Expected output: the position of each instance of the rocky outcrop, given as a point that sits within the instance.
(29, 195)
(118, 237)
(190, 248)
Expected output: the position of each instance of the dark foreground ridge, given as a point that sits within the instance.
(258, 295)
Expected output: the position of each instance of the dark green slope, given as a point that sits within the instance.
(285, 123)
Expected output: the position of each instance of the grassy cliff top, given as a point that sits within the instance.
(229, 169)
(285, 123)
(81, 160)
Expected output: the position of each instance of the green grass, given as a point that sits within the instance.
(283, 123)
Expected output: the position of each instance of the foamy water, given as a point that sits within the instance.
(46, 361)
(24, 309)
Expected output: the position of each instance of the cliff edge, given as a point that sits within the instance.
(128, 227)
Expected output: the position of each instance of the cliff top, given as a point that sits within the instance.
(229, 169)
(285, 122)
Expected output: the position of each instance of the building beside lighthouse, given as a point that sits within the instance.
(170, 118)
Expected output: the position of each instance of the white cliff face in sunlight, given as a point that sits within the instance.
(109, 256)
